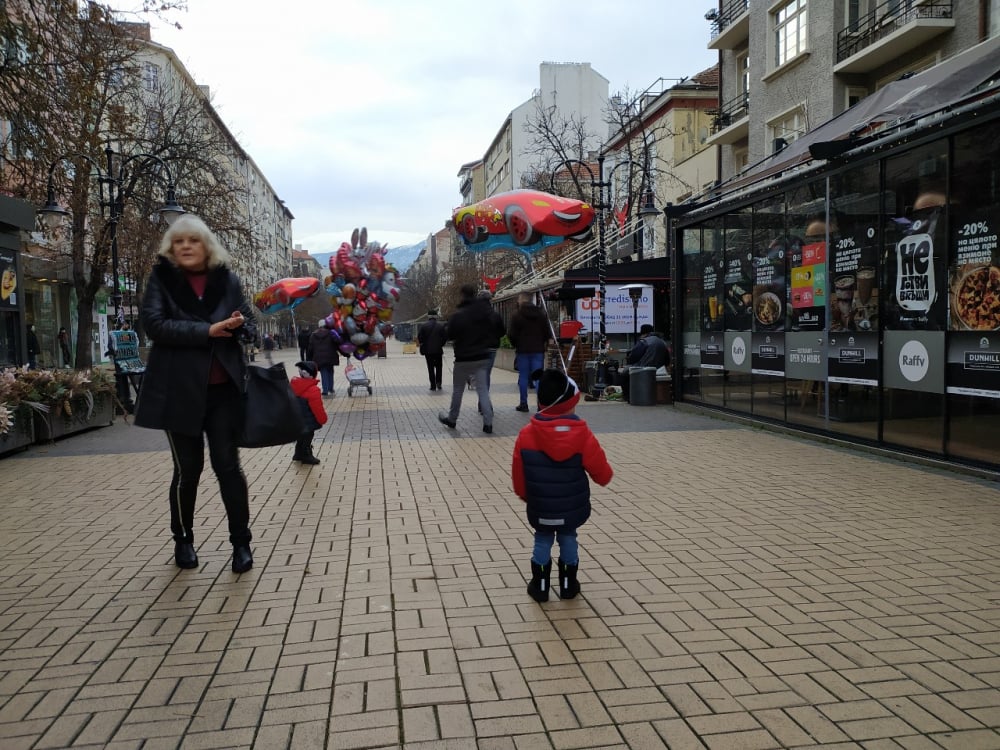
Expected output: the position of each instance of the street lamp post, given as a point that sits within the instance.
(601, 203)
(111, 197)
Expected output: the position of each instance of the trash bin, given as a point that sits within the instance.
(589, 376)
(642, 386)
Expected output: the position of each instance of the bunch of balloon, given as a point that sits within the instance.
(363, 289)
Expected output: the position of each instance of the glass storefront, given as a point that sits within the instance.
(863, 302)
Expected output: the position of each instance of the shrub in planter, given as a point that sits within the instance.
(51, 395)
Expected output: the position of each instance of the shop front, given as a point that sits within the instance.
(859, 299)
(16, 216)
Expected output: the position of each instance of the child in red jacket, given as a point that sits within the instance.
(306, 388)
(553, 455)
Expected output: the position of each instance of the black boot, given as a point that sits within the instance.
(242, 559)
(538, 586)
(184, 555)
(568, 585)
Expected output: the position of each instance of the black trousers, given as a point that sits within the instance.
(221, 428)
(435, 362)
(304, 445)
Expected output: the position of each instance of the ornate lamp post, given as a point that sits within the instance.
(635, 293)
(111, 196)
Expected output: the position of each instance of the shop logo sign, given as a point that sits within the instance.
(913, 361)
(915, 287)
(739, 350)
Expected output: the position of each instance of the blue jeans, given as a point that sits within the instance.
(569, 550)
(326, 378)
(527, 364)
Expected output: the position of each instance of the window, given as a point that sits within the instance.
(151, 76)
(743, 70)
(789, 31)
(853, 95)
(786, 128)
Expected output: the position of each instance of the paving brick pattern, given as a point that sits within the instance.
(742, 590)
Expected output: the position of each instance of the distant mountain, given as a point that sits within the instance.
(401, 257)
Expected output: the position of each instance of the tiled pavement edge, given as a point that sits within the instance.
(741, 590)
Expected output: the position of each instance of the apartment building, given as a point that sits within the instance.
(789, 66)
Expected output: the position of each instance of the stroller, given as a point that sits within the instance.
(356, 378)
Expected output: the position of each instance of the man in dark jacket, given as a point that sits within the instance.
(530, 334)
(303, 341)
(322, 350)
(431, 338)
(471, 327)
(649, 351)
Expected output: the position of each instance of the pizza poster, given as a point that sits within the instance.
(974, 277)
(808, 286)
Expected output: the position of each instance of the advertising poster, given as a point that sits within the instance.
(769, 288)
(807, 263)
(914, 360)
(737, 351)
(853, 358)
(738, 291)
(973, 363)
(854, 287)
(805, 356)
(767, 355)
(973, 367)
(8, 279)
(915, 271)
(712, 350)
(713, 291)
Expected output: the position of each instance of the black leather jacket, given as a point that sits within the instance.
(175, 386)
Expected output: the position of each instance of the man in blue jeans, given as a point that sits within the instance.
(530, 333)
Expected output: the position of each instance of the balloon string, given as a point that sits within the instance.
(540, 301)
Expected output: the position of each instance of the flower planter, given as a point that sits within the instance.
(52, 427)
(21, 434)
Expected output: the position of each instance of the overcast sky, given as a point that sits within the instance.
(360, 112)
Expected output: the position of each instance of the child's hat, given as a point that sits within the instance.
(557, 392)
(308, 367)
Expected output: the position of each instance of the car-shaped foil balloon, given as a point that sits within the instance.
(285, 294)
(524, 220)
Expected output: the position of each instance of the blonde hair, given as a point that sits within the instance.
(192, 225)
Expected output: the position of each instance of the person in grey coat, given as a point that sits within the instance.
(196, 315)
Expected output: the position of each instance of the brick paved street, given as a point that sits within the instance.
(742, 590)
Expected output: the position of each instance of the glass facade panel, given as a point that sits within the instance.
(913, 314)
(973, 366)
(712, 340)
(693, 302)
(769, 307)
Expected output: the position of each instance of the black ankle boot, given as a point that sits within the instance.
(568, 585)
(538, 586)
(184, 555)
(242, 559)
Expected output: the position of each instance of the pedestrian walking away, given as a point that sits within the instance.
(469, 329)
(196, 315)
(303, 342)
(323, 351)
(306, 390)
(553, 456)
(268, 348)
(530, 334)
(498, 330)
(431, 337)
(64, 347)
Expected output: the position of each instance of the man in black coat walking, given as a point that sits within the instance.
(431, 338)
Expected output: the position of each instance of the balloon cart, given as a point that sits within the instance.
(356, 378)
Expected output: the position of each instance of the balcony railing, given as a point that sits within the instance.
(729, 12)
(731, 111)
(885, 19)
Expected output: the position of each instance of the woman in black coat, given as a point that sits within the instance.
(195, 313)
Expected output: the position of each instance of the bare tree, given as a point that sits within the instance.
(79, 84)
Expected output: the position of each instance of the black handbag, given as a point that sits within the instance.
(271, 414)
